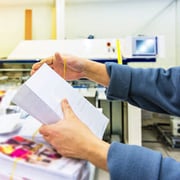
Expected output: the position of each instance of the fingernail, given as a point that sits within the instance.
(65, 101)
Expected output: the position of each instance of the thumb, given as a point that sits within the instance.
(58, 57)
(67, 110)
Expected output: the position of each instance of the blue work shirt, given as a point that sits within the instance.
(153, 89)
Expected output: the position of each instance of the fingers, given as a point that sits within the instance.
(67, 110)
(44, 130)
(48, 60)
(56, 62)
(36, 66)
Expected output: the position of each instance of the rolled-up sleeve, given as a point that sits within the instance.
(119, 81)
(153, 89)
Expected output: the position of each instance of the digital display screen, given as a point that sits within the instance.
(144, 46)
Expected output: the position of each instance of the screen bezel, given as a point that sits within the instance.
(144, 38)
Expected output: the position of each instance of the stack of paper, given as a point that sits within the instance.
(41, 95)
(25, 159)
(24, 156)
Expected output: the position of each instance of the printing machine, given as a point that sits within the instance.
(123, 124)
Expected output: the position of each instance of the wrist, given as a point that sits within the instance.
(97, 153)
(95, 71)
(89, 69)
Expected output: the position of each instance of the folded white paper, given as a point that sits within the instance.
(42, 93)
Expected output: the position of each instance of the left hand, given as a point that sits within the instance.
(75, 66)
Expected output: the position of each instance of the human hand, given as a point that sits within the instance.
(69, 136)
(74, 68)
(67, 66)
(72, 138)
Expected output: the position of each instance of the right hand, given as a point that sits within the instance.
(69, 136)
(74, 67)
(72, 138)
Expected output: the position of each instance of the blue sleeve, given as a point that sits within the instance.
(132, 162)
(153, 89)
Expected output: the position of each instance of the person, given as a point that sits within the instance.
(154, 89)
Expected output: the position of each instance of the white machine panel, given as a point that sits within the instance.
(89, 48)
